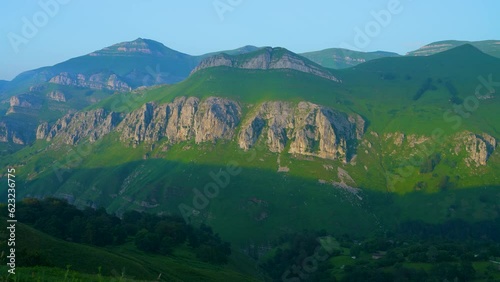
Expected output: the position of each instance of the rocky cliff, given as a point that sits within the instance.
(57, 95)
(24, 103)
(183, 119)
(304, 128)
(301, 129)
(478, 147)
(72, 128)
(266, 59)
(94, 81)
(310, 129)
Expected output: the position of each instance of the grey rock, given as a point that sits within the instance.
(310, 129)
(57, 95)
(183, 119)
(72, 128)
(94, 81)
(479, 148)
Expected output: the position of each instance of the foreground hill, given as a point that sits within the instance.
(42, 257)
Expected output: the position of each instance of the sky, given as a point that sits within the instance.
(36, 33)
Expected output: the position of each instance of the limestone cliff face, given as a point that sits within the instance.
(183, 119)
(266, 59)
(24, 103)
(310, 129)
(57, 95)
(301, 129)
(479, 148)
(73, 128)
(95, 81)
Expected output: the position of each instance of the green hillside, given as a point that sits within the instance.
(44, 257)
(403, 94)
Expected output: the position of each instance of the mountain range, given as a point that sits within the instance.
(261, 142)
(140, 63)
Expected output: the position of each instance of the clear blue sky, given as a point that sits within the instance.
(195, 27)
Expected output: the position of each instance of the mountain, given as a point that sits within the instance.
(490, 47)
(120, 67)
(257, 151)
(338, 58)
(266, 59)
(51, 92)
(238, 51)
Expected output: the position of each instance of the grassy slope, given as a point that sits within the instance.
(293, 201)
(116, 262)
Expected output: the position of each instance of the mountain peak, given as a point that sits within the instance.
(135, 47)
(264, 59)
(467, 50)
(490, 47)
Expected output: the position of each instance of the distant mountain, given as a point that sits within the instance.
(449, 62)
(239, 51)
(79, 82)
(490, 47)
(266, 59)
(120, 67)
(337, 58)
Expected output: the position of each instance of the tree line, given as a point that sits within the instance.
(150, 233)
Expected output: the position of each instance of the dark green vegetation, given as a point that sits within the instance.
(152, 233)
(139, 246)
(453, 251)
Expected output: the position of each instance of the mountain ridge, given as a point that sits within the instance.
(265, 59)
(491, 47)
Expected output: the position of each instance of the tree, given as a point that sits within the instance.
(147, 241)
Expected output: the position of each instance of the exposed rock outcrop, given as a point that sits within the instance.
(266, 59)
(303, 128)
(183, 119)
(72, 128)
(479, 148)
(95, 81)
(311, 129)
(57, 95)
(16, 132)
(23, 103)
